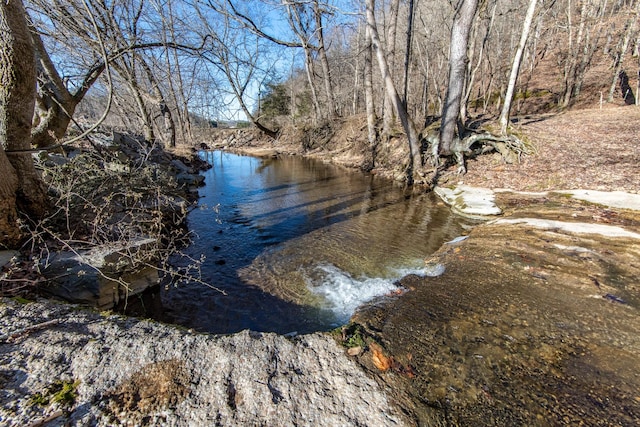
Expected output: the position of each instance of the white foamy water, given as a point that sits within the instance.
(344, 293)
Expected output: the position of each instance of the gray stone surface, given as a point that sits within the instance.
(6, 256)
(91, 277)
(133, 372)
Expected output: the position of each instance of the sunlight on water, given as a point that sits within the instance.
(298, 245)
(343, 293)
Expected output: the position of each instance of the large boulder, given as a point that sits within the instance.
(101, 277)
(121, 371)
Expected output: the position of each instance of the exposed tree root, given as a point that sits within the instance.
(510, 147)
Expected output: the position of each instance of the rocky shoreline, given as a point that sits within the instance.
(104, 263)
(530, 323)
(124, 371)
(533, 321)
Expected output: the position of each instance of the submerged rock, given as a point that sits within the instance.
(533, 322)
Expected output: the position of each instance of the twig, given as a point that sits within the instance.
(44, 420)
(24, 331)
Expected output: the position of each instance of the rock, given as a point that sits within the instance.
(189, 179)
(354, 351)
(7, 256)
(614, 199)
(131, 372)
(536, 317)
(468, 201)
(180, 166)
(92, 278)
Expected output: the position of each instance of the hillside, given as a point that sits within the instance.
(593, 149)
(584, 148)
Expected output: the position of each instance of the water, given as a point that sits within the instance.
(298, 245)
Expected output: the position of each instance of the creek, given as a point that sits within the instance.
(298, 245)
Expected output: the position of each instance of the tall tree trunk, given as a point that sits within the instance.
(169, 134)
(324, 62)
(356, 76)
(310, 69)
(368, 96)
(177, 93)
(407, 54)
(462, 22)
(576, 64)
(415, 161)
(617, 66)
(515, 68)
(473, 71)
(127, 72)
(388, 115)
(295, 21)
(21, 187)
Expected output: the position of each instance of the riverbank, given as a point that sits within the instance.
(533, 321)
(535, 318)
(594, 149)
(63, 365)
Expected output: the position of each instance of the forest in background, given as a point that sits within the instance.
(175, 65)
(171, 70)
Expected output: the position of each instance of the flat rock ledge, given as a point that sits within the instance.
(64, 365)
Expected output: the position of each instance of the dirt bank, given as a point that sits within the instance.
(594, 149)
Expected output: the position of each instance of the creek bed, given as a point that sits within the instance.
(298, 245)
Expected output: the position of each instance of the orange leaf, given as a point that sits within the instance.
(380, 361)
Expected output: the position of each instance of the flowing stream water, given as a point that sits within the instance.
(298, 245)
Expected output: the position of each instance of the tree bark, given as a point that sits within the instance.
(515, 68)
(21, 187)
(55, 104)
(295, 21)
(368, 96)
(462, 22)
(407, 54)
(388, 115)
(617, 67)
(324, 62)
(415, 161)
(182, 110)
(169, 134)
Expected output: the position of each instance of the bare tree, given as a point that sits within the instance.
(318, 12)
(630, 27)
(21, 187)
(415, 159)
(300, 24)
(158, 98)
(67, 28)
(388, 112)
(407, 54)
(56, 103)
(372, 134)
(581, 46)
(242, 58)
(480, 61)
(176, 86)
(515, 68)
(463, 19)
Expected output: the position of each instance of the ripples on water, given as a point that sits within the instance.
(298, 245)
